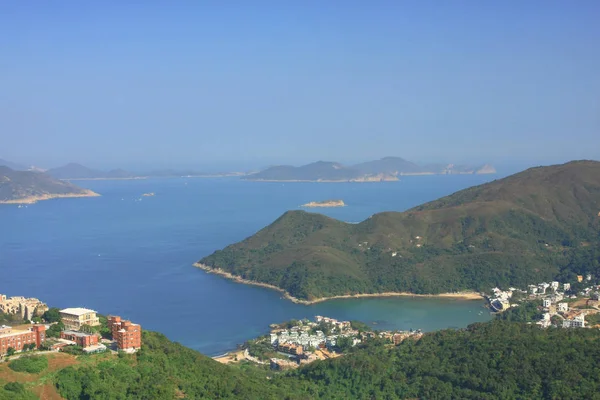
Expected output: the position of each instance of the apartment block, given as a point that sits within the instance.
(17, 339)
(75, 318)
(127, 334)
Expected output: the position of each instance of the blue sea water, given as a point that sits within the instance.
(129, 255)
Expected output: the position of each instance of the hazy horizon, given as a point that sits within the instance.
(191, 85)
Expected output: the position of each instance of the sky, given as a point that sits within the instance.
(138, 84)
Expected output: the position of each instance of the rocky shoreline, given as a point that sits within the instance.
(35, 199)
(235, 278)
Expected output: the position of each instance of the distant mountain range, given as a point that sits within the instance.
(29, 187)
(385, 169)
(77, 171)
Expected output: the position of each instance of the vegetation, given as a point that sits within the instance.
(30, 364)
(15, 391)
(496, 360)
(52, 315)
(18, 185)
(530, 227)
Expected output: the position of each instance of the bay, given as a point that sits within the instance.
(129, 255)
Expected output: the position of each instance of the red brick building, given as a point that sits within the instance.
(16, 339)
(80, 338)
(127, 334)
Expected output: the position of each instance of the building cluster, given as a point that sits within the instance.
(554, 296)
(26, 308)
(20, 339)
(301, 335)
(307, 342)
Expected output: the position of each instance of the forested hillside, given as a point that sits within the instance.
(522, 229)
(496, 360)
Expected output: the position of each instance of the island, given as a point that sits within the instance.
(325, 203)
(384, 170)
(528, 227)
(28, 187)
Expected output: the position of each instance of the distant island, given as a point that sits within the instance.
(27, 187)
(534, 226)
(383, 170)
(326, 203)
(74, 171)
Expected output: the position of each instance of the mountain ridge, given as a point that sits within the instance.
(384, 169)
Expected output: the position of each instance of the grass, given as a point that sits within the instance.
(42, 383)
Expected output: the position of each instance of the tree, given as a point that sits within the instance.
(15, 387)
(55, 330)
(343, 343)
(10, 351)
(52, 315)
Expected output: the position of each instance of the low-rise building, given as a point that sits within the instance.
(546, 302)
(17, 339)
(575, 322)
(566, 287)
(554, 285)
(563, 307)
(127, 334)
(290, 348)
(75, 318)
(80, 338)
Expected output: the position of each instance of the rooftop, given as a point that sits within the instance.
(76, 311)
(77, 333)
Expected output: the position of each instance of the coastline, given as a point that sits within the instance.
(35, 199)
(235, 278)
(324, 180)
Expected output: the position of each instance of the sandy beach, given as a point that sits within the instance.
(235, 278)
(35, 199)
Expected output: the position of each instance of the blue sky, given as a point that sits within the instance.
(191, 83)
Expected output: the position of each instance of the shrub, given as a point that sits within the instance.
(31, 364)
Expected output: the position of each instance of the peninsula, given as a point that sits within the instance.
(385, 169)
(27, 187)
(326, 203)
(529, 227)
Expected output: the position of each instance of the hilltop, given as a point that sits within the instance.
(528, 227)
(29, 187)
(385, 169)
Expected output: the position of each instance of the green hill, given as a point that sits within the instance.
(526, 228)
(29, 187)
(496, 360)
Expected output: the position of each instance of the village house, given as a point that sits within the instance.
(17, 339)
(563, 307)
(127, 334)
(566, 287)
(75, 318)
(546, 302)
(576, 322)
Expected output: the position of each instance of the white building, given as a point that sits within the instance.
(563, 307)
(566, 286)
(554, 285)
(546, 302)
(576, 322)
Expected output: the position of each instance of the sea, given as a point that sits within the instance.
(130, 255)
